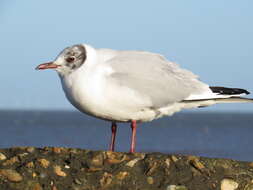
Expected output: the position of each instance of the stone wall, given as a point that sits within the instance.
(29, 168)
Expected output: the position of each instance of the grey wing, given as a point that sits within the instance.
(152, 76)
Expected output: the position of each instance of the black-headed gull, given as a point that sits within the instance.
(132, 86)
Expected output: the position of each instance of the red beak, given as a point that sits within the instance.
(50, 65)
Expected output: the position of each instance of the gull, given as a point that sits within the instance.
(132, 86)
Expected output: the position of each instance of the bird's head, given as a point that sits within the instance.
(70, 59)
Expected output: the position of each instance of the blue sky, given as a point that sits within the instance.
(211, 38)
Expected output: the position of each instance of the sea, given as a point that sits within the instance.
(208, 134)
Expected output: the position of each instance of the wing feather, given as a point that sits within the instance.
(152, 77)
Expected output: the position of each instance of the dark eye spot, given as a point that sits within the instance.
(70, 59)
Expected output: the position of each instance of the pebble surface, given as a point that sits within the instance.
(58, 171)
(11, 175)
(43, 162)
(176, 187)
(228, 184)
(2, 156)
(65, 168)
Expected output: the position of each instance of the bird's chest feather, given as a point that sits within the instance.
(81, 90)
(90, 94)
(86, 91)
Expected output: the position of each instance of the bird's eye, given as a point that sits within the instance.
(70, 59)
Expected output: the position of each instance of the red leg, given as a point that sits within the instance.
(133, 126)
(114, 130)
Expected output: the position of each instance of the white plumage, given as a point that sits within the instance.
(126, 86)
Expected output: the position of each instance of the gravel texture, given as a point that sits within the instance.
(52, 168)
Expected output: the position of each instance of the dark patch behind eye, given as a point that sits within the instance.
(80, 58)
(83, 54)
(73, 66)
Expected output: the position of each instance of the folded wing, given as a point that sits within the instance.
(151, 77)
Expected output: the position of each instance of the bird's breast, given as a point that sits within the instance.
(83, 91)
(90, 94)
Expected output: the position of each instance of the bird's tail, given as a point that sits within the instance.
(234, 100)
(222, 95)
(222, 100)
(228, 91)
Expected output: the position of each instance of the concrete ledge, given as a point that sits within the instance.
(52, 168)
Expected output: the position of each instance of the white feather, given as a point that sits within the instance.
(132, 85)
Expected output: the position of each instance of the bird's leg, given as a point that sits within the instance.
(133, 126)
(114, 130)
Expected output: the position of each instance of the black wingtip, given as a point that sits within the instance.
(228, 91)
